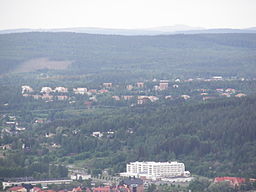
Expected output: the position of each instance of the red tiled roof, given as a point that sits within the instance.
(78, 189)
(233, 180)
(16, 188)
(36, 189)
(48, 190)
(102, 189)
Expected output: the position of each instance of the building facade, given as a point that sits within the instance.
(155, 170)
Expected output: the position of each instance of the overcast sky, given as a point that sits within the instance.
(126, 13)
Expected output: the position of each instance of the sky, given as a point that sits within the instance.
(126, 14)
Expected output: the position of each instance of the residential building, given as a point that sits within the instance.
(97, 134)
(140, 84)
(62, 97)
(79, 176)
(127, 97)
(102, 189)
(61, 89)
(117, 98)
(26, 89)
(185, 97)
(155, 170)
(235, 181)
(240, 95)
(129, 87)
(107, 85)
(101, 91)
(133, 184)
(163, 86)
(17, 189)
(80, 90)
(46, 90)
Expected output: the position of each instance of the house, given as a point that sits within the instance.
(79, 176)
(153, 98)
(234, 181)
(103, 91)
(88, 104)
(102, 189)
(219, 90)
(25, 95)
(225, 94)
(91, 91)
(156, 88)
(107, 85)
(61, 89)
(17, 189)
(62, 97)
(36, 189)
(129, 87)
(20, 128)
(163, 86)
(127, 97)
(78, 189)
(133, 184)
(97, 134)
(80, 90)
(217, 78)
(240, 95)
(47, 97)
(6, 147)
(140, 84)
(46, 90)
(185, 97)
(230, 90)
(37, 96)
(40, 121)
(168, 97)
(142, 100)
(26, 89)
(117, 98)
(48, 190)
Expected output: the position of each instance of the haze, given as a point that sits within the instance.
(126, 13)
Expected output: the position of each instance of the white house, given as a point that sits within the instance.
(46, 90)
(61, 89)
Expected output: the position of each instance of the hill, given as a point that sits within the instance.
(232, 54)
(214, 138)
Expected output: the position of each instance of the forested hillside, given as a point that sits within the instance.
(212, 138)
(232, 54)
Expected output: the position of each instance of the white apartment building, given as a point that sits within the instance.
(80, 90)
(155, 170)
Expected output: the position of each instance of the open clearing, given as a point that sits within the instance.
(42, 63)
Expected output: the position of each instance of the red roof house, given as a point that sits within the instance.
(17, 189)
(235, 181)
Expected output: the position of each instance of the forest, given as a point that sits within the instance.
(230, 54)
(214, 138)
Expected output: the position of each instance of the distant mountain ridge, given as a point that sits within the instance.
(229, 53)
(163, 30)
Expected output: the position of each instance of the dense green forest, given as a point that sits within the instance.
(232, 54)
(216, 138)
